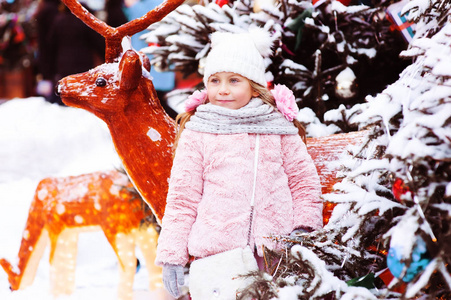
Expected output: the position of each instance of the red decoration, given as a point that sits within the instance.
(319, 2)
(221, 3)
(386, 276)
(400, 190)
(270, 85)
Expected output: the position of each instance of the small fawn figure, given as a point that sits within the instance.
(64, 207)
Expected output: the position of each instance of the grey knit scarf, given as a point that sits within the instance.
(255, 117)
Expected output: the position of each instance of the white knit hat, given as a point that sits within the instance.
(240, 53)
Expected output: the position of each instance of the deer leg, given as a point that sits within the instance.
(125, 245)
(146, 238)
(63, 262)
(32, 266)
(29, 256)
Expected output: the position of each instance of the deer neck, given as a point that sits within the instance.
(143, 135)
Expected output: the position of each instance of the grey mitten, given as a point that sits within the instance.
(173, 277)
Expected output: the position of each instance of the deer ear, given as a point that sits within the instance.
(145, 60)
(130, 70)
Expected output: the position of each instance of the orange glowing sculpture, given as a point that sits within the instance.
(62, 208)
(121, 94)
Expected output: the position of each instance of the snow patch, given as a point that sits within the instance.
(60, 208)
(78, 219)
(42, 194)
(154, 135)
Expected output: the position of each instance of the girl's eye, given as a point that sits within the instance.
(234, 80)
(214, 80)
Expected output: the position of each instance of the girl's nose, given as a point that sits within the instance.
(224, 90)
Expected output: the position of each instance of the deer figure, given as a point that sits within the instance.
(64, 207)
(121, 94)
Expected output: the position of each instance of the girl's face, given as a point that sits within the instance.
(229, 90)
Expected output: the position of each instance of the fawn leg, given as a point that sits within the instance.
(63, 262)
(125, 245)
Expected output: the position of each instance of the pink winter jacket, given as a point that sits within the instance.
(210, 188)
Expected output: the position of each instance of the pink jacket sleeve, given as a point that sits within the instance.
(304, 183)
(184, 195)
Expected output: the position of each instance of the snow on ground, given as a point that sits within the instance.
(38, 140)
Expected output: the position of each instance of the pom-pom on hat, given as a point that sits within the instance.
(241, 53)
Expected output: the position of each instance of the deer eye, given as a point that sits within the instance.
(100, 81)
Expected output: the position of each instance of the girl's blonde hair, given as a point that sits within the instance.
(263, 93)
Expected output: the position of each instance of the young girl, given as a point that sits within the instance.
(212, 179)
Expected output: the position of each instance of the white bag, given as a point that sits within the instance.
(217, 276)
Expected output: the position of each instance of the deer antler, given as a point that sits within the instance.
(113, 36)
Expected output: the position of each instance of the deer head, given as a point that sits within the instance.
(107, 89)
(121, 93)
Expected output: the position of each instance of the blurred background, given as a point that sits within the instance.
(42, 42)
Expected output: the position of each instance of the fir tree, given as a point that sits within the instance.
(394, 201)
